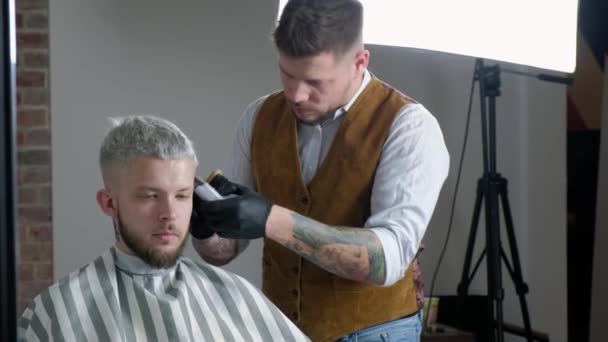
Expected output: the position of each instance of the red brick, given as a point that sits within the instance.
(19, 176)
(43, 271)
(27, 195)
(19, 20)
(37, 137)
(34, 175)
(26, 272)
(20, 137)
(23, 238)
(34, 40)
(31, 78)
(27, 289)
(35, 96)
(33, 145)
(32, 59)
(34, 157)
(32, 118)
(37, 252)
(34, 214)
(32, 4)
(45, 194)
(40, 233)
(45, 251)
(29, 252)
(36, 20)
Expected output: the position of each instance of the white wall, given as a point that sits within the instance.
(200, 62)
(599, 299)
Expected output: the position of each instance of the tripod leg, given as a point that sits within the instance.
(493, 261)
(465, 279)
(520, 286)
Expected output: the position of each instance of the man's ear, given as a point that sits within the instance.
(361, 61)
(106, 202)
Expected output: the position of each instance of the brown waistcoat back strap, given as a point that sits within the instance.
(323, 305)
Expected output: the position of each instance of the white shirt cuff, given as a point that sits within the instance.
(392, 259)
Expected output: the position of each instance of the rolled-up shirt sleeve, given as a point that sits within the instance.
(413, 167)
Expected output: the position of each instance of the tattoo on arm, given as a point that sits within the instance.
(352, 253)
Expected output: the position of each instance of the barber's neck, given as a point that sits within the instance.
(356, 84)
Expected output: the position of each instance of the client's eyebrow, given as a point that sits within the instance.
(154, 189)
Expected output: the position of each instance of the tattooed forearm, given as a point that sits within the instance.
(351, 253)
(216, 250)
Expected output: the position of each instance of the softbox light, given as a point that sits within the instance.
(539, 33)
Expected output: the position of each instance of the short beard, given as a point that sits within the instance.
(150, 256)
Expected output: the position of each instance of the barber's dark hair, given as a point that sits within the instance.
(308, 27)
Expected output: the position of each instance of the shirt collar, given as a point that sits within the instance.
(134, 265)
(340, 111)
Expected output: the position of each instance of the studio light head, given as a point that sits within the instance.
(539, 33)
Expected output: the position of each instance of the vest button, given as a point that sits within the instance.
(294, 292)
(294, 316)
(305, 200)
(294, 270)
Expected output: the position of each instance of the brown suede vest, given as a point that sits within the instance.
(323, 305)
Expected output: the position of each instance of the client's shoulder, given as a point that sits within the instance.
(208, 271)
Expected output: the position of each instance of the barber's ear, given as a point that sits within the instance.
(361, 61)
(106, 202)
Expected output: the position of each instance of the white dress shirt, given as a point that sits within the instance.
(413, 167)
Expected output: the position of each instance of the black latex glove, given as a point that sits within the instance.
(198, 225)
(240, 217)
(222, 185)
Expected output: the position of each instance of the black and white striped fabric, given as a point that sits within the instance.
(119, 298)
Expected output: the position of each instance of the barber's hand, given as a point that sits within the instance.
(199, 228)
(240, 217)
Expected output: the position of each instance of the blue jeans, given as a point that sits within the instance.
(406, 329)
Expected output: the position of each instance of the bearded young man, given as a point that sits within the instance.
(142, 289)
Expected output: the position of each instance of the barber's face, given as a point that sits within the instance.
(150, 204)
(319, 84)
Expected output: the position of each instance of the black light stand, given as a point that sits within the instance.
(8, 308)
(492, 189)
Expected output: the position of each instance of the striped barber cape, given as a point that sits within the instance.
(120, 298)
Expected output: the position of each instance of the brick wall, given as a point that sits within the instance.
(35, 268)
